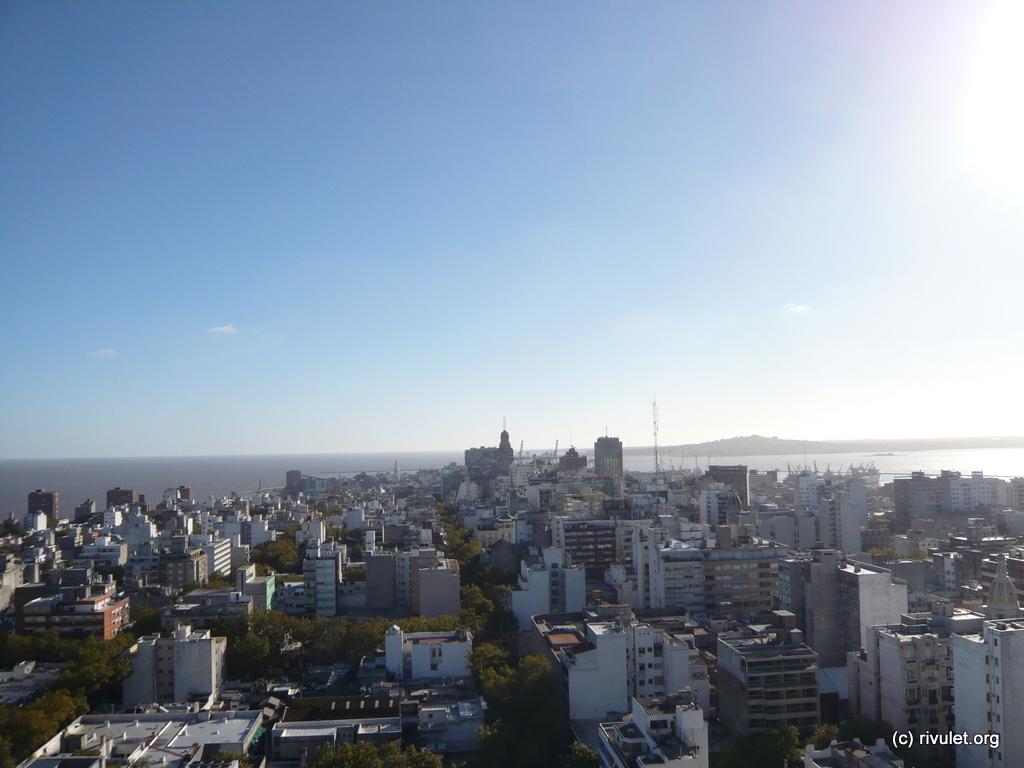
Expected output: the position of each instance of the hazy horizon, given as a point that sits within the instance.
(537, 450)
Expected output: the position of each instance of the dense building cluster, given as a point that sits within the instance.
(677, 610)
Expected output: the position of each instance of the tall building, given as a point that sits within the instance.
(118, 496)
(989, 672)
(904, 675)
(485, 465)
(835, 601)
(590, 543)
(735, 476)
(321, 576)
(46, 502)
(608, 460)
(842, 510)
(547, 587)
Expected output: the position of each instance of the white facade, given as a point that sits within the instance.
(842, 510)
(107, 550)
(595, 673)
(668, 731)
(427, 655)
(547, 587)
(321, 575)
(186, 667)
(968, 493)
(904, 676)
(989, 674)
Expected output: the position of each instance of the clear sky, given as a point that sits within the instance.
(336, 226)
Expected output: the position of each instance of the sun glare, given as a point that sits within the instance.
(993, 108)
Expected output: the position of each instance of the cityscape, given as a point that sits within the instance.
(521, 608)
(580, 384)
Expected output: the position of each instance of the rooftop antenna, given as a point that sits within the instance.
(657, 461)
(504, 427)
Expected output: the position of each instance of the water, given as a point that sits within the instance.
(78, 479)
(994, 462)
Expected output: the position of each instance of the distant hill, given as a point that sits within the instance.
(756, 445)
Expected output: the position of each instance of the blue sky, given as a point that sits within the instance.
(298, 227)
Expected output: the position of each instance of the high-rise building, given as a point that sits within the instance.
(118, 496)
(834, 601)
(484, 465)
(988, 670)
(47, 502)
(608, 460)
(322, 571)
(735, 476)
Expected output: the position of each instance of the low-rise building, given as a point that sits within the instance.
(427, 655)
(851, 754)
(183, 668)
(95, 609)
(666, 730)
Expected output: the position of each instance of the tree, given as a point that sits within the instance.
(281, 555)
(145, 620)
(366, 755)
(824, 735)
(582, 756)
(784, 744)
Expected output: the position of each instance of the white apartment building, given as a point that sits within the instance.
(968, 493)
(603, 663)
(547, 587)
(904, 676)
(110, 551)
(321, 575)
(989, 672)
(594, 673)
(427, 655)
(668, 731)
(186, 667)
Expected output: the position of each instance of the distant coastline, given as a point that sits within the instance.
(757, 445)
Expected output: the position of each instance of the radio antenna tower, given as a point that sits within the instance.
(657, 461)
